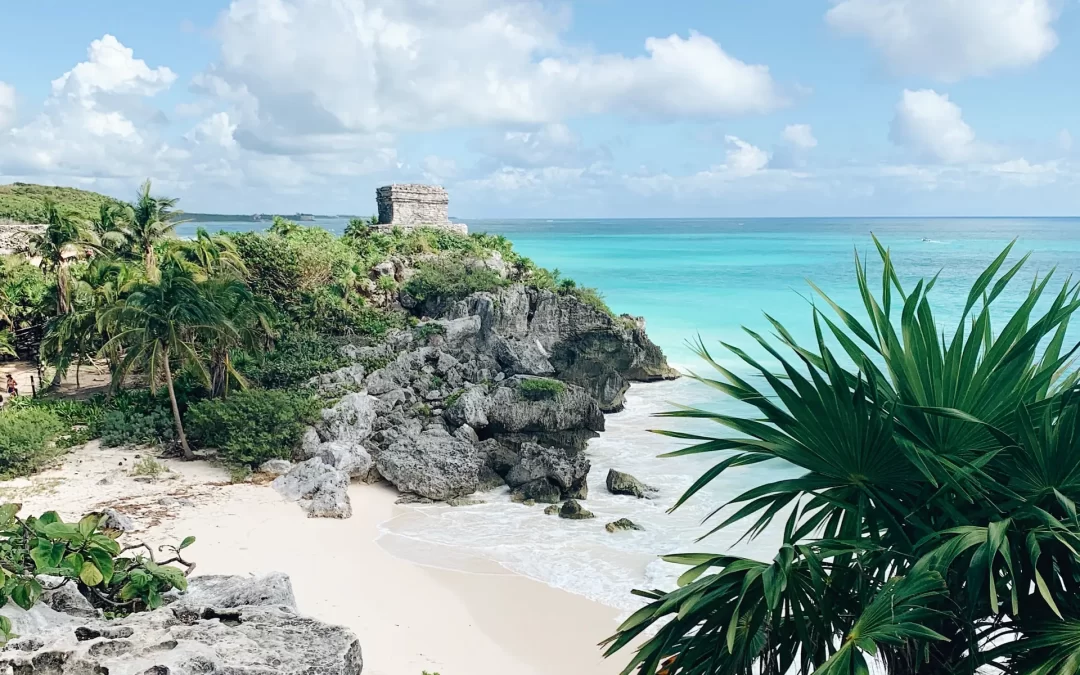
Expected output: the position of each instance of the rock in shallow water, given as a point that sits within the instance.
(431, 464)
(204, 632)
(619, 483)
(572, 510)
(622, 524)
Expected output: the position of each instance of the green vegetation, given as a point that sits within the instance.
(25, 439)
(26, 203)
(203, 331)
(148, 467)
(86, 555)
(252, 426)
(541, 388)
(426, 331)
(934, 528)
(451, 278)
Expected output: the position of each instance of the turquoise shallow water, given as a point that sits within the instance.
(707, 278)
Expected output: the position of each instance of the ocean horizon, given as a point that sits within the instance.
(691, 279)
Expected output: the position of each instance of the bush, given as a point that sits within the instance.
(589, 296)
(451, 278)
(135, 427)
(297, 357)
(84, 554)
(80, 420)
(252, 426)
(25, 435)
(426, 331)
(541, 388)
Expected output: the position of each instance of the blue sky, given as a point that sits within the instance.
(524, 108)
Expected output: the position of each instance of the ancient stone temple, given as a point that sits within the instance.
(414, 205)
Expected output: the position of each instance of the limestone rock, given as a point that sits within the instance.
(324, 488)
(540, 490)
(349, 378)
(470, 408)
(309, 444)
(619, 483)
(552, 510)
(622, 524)
(63, 596)
(573, 411)
(276, 467)
(436, 466)
(351, 458)
(114, 520)
(572, 510)
(351, 418)
(221, 626)
(567, 469)
(229, 591)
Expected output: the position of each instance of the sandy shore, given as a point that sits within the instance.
(476, 619)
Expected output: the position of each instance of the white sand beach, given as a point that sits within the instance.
(409, 618)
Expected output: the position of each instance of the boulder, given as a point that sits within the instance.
(229, 591)
(351, 458)
(540, 490)
(622, 524)
(572, 510)
(221, 626)
(437, 466)
(552, 510)
(276, 467)
(342, 380)
(522, 357)
(567, 469)
(309, 444)
(619, 483)
(63, 596)
(470, 408)
(324, 488)
(351, 418)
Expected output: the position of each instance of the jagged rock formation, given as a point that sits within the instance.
(451, 408)
(619, 483)
(414, 205)
(222, 625)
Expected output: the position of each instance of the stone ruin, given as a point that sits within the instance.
(415, 205)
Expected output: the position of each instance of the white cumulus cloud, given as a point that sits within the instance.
(742, 158)
(800, 135)
(300, 67)
(934, 127)
(951, 39)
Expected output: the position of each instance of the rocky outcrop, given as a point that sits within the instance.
(222, 625)
(565, 469)
(534, 332)
(619, 483)
(321, 489)
(431, 464)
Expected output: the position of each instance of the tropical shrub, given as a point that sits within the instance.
(297, 357)
(25, 439)
(540, 388)
(934, 528)
(85, 555)
(252, 426)
(451, 278)
(136, 427)
(426, 331)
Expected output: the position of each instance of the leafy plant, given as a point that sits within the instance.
(451, 278)
(297, 357)
(934, 526)
(426, 331)
(86, 555)
(25, 439)
(252, 426)
(136, 427)
(148, 467)
(540, 388)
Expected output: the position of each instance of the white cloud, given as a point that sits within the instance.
(743, 159)
(111, 68)
(800, 136)
(7, 105)
(951, 39)
(298, 67)
(549, 145)
(437, 169)
(216, 129)
(934, 127)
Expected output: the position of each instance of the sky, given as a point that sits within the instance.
(533, 109)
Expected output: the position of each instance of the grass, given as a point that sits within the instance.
(541, 388)
(24, 202)
(149, 468)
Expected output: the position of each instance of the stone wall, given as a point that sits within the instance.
(415, 205)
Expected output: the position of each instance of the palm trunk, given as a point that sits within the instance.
(61, 289)
(150, 261)
(188, 454)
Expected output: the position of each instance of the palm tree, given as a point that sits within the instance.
(113, 223)
(62, 241)
(153, 221)
(935, 526)
(209, 255)
(247, 328)
(283, 227)
(158, 321)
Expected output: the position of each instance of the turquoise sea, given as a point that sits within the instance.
(706, 277)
